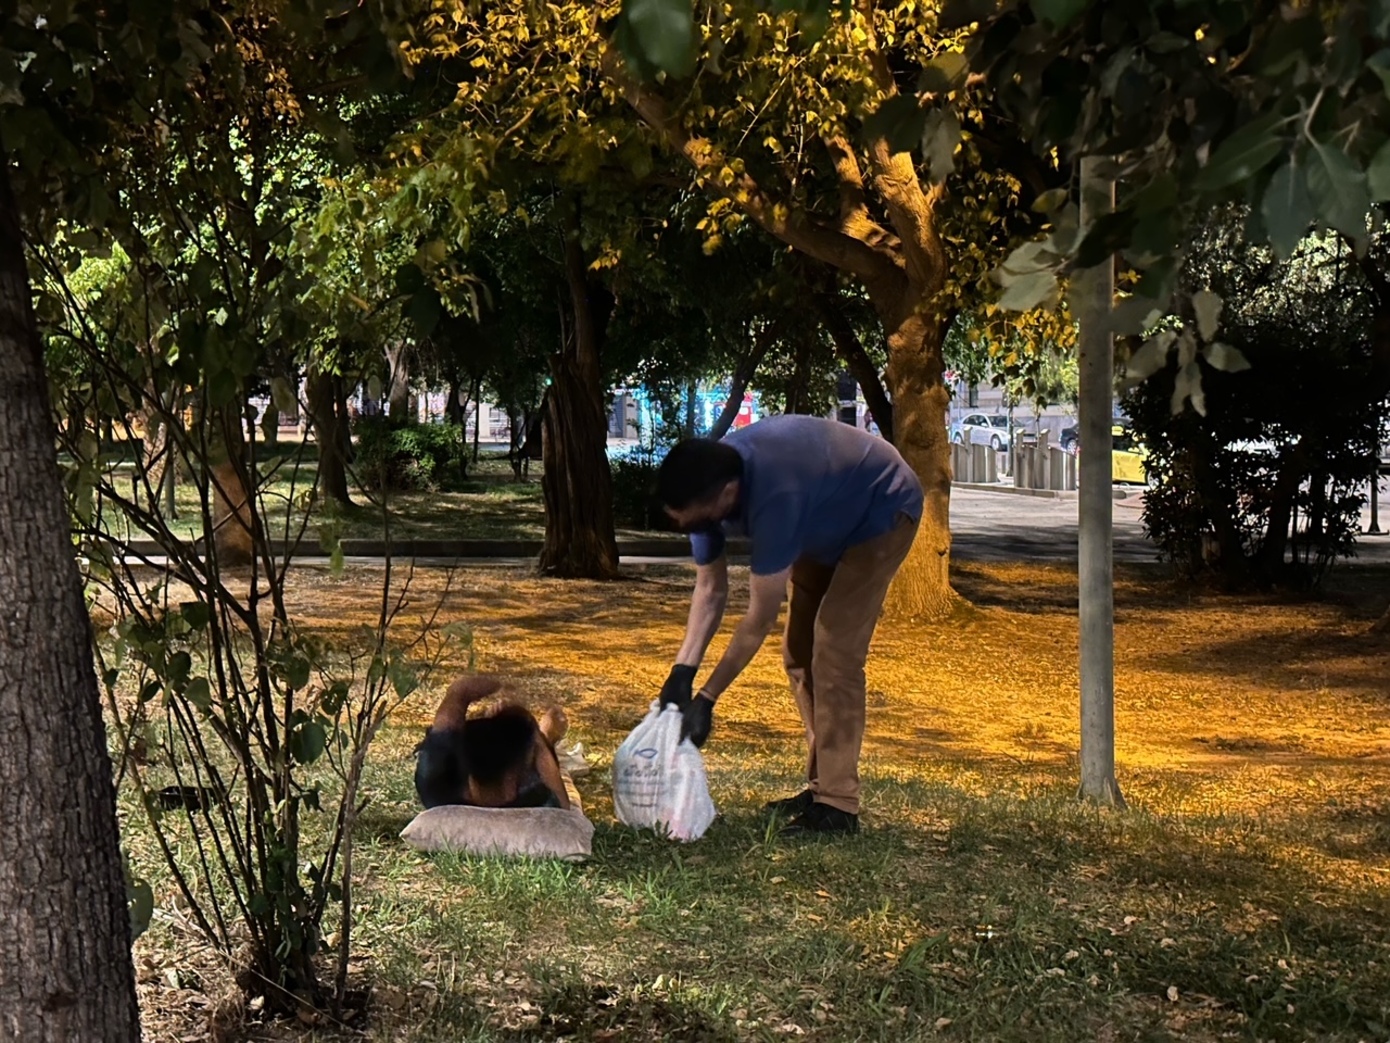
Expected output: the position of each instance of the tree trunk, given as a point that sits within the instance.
(477, 414)
(65, 932)
(232, 517)
(689, 430)
(514, 441)
(342, 391)
(799, 389)
(856, 360)
(577, 483)
(743, 373)
(454, 409)
(398, 390)
(158, 449)
(1382, 625)
(322, 395)
(1093, 293)
(922, 588)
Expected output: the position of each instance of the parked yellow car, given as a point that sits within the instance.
(1128, 457)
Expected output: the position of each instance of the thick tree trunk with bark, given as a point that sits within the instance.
(577, 483)
(65, 967)
(901, 263)
(329, 422)
(920, 402)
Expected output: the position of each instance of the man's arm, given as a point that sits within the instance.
(706, 610)
(765, 596)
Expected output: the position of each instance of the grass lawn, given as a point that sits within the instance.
(490, 504)
(1245, 894)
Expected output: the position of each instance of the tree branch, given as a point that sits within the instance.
(830, 307)
(910, 209)
(854, 208)
(743, 373)
(789, 224)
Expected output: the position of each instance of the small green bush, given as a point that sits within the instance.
(634, 492)
(402, 457)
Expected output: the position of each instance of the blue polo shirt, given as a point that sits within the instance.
(812, 488)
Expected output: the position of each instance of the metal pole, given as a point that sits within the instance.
(1374, 530)
(1094, 293)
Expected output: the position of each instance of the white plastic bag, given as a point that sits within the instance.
(659, 781)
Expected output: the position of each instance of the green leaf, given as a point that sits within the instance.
(180, 663)
(140, 903)
(409, 279)
(334, 696)
(296, 671)
(425, 309)
(1287, 208)
(664, 31)
(940, 136)
(308, 741)
(899, 121)
(1224, 357)
(1207, 307)
(1151, 357)
(1379, 63)
(1189, 385)
(196, 614)
(1378, 174)
(223, 387)
(944, 72)
(1026, 292)
(1060, 13)
(1243, 153)
(1166, 42)
(957, 14)
(199, 693)
(403, 679)
(1339, 190)
(1135, 316)
(1050, 200)
(282, 394)
(1380, 18)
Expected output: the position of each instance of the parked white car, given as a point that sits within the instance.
(981, 429)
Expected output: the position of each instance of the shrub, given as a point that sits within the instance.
(634, 485)
(1263, 488)
(399, 457)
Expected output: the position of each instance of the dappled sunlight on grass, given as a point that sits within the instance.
(1245, 895)
(1275, 706)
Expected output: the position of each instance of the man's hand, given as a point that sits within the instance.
(678, 687)
(697, 717)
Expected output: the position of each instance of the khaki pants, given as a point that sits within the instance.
(831, 619)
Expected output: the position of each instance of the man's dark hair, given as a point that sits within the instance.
(695, 470)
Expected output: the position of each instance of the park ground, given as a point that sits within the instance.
(1245, 894)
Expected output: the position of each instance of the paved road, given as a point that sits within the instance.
(999, 526)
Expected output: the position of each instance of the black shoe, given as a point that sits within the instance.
(821, 818)
(790, 805)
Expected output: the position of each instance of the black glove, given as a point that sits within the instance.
(697, 717)
(677, 690)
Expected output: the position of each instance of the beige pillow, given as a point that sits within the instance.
(507, 832)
